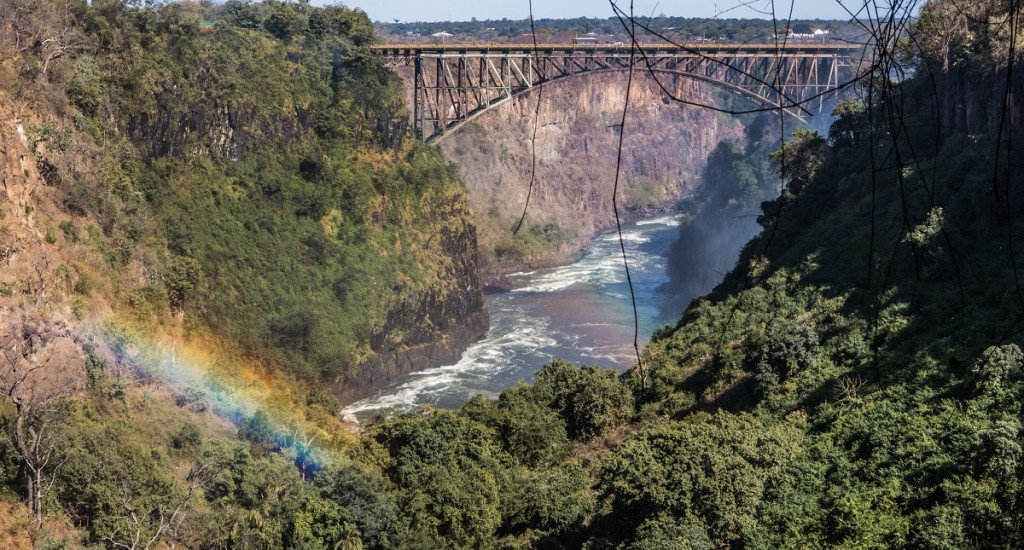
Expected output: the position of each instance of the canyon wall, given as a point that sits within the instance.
(664, 151)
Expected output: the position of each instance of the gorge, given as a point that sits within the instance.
(216, 225)
(546, 293)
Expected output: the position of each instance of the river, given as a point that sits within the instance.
(580, 312)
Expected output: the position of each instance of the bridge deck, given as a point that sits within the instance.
(701, 48)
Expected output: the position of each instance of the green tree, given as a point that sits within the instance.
(40, 370)
(800, 159)
(546, 506)
(243, 14)
(590, 400)
(283, 21)
(850, 126)
(448, 471)
(262, 502)
(363, 500)
(530, 431)
(124, 493)
(711, 472)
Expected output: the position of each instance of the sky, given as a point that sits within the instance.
(464, 10)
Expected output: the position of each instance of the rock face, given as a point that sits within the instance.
(437, 325)
(664, 150)
(34, 273)
(411, 358)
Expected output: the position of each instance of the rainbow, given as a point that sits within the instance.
(206, 378)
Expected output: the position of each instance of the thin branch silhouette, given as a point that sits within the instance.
(615, 190)
(533, 137)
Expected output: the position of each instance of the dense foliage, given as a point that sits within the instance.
(879, 309)
(253, 157)
(856, 380)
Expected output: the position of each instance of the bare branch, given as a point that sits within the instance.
(42, 366)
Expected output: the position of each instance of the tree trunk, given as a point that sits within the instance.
(39, 499)
(35, 498)
(32, 493)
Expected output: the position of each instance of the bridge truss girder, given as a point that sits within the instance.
(452, 88)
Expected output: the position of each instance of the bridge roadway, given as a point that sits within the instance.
(455, 83)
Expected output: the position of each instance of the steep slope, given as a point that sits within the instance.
(879, 313)
(212, 227)
(262, 182)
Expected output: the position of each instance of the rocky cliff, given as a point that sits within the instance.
(577, 136)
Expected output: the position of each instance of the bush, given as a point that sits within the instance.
(710, 473)
(589, 400)
(188, 438)
(784, 350)
(447, 469)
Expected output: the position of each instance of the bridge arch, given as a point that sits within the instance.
(742, 92)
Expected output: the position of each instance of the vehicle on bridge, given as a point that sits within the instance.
(588, 39)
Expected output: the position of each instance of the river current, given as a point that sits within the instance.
(580, 312)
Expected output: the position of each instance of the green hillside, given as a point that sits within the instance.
(254, 160)
(855, 381)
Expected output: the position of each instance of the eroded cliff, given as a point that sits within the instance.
(664, 151)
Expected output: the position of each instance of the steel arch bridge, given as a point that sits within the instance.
(455, 83)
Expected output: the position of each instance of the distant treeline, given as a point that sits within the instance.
(676, 28)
